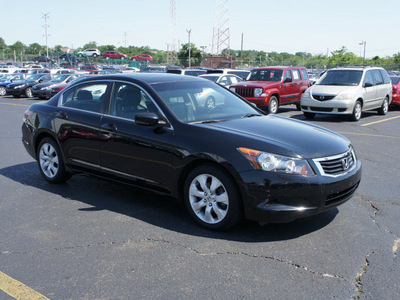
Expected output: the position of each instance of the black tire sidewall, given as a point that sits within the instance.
(234, 214)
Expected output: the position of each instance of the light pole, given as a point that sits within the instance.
(189, 31)
(364, 44)
(45, 16)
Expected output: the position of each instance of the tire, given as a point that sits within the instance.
(385, 107)
(298, 106)
(273, 105)
(2, 91)
(107, 57)
(50, 162)
(94, 55)
(122, 58)
(133, 59)
(309, 115)
(28, 92)
(357, 111)
(212, 199)
(210, 102)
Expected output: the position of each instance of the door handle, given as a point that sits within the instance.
(109, 126)
(61, 114)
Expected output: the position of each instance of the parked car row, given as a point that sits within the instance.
(114, 55)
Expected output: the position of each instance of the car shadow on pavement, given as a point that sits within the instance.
(157, 210)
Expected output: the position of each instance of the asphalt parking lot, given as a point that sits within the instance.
(94, 239)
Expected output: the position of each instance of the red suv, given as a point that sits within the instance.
(271, 87)
(142, 57)
(114, 54)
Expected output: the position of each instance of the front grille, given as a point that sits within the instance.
(245, 92)
(323, 97)
(336, 165)
(324, 109)
(341, 196)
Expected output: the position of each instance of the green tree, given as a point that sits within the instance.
(195, 55)
(90, 45)
(35, 49)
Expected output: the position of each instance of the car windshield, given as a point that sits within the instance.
(203, 102)
(395, 80)
(265, 75)
(33, 77)
(212, 78)
(60, 78)
(341, 77)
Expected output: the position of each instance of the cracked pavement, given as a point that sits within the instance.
(93, 239)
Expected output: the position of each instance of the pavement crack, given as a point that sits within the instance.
(290, 263)
(358, 283)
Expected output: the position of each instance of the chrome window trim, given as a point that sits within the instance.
(112, 81)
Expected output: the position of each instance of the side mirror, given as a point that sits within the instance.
(287, 79)
(147, 119)
(367, 84)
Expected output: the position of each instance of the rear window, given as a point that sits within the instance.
(304, 74)
(395, 80)
(385, 76)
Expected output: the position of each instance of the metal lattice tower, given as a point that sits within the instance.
(221, 35)
(172, 50)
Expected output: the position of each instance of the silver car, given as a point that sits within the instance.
(348, 91)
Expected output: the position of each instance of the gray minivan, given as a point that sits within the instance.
(348, 91)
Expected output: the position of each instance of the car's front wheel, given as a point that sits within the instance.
(2, 90)
(385, 107)
(28, 92)
(357, 111)
(212, 198)
(273, 105)
(50, 162)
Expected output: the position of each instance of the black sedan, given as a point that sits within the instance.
(24, 88)
(43, 90)
(225, 162)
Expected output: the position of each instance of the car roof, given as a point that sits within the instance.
(149, 78)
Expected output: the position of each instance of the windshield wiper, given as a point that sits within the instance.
(251, 115)
(207, 121)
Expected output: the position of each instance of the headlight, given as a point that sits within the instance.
(258, 92)
(19, 86)
(306, 95)
(277, 163)
(344, 96)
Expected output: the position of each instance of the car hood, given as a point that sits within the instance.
(255, 84)
(331, 89)
(44, 84)
(19, 82)
(284, 136)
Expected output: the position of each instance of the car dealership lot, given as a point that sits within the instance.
(96, 239)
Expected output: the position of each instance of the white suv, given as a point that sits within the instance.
(89, 52)
(348, 91)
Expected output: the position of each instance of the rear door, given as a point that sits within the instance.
(288, 93)
(380, 89)
(369, 91)
(77, 123)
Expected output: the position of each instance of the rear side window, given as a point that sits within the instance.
(296, 74)
(385, 76)
(87, 97)
(304, 74)
(376, 75)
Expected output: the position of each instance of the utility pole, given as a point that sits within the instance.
(241, 52)
(364, 45)
(189, 31)
(125, 35)
(45, 16)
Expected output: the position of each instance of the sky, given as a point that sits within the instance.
(313, 26)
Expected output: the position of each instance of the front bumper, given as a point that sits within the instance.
(336, 107)
(281, 198)
(15, 92)
(41, 93)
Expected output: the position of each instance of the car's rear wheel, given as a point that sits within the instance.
(94, 55)
(273, 105)
(212, 198)
(357, 111)
(2, 90)
(50, 162)
(385, 107)
(133, 59)
(28, 92)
